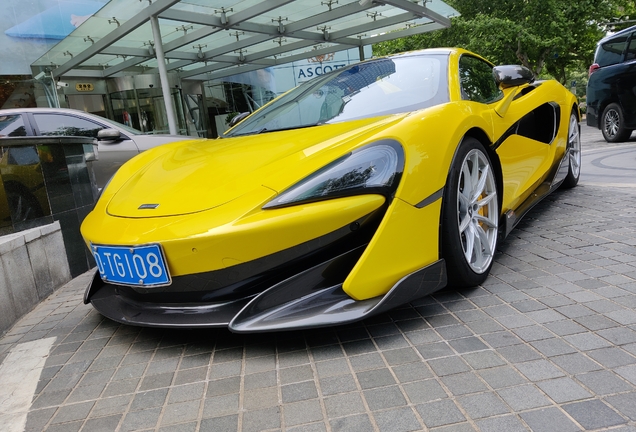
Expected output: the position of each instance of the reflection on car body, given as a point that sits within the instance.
(22, 185)
(116, 142)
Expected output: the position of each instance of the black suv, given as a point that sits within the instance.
(611, 88)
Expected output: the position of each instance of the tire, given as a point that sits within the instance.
(613, 124)
(470, 216)
(573, 151)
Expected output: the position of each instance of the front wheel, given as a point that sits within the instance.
(470, 215)
(613, 124)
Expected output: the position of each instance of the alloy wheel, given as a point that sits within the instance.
(574, 146)
(477, 212)
(611, 123)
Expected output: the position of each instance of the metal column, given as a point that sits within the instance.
(163, 75)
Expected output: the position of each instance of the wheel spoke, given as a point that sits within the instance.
(574, 132)
(486, 200)
(485, 220)
(574, 159)
(464, 200)
(474, 171)
(470, 243)
(467, 180)
(483, 241)
(477, 247)
(463, 224)
(480, 186)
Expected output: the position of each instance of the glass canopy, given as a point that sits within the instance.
(210, 39)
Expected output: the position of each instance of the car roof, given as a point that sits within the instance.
(425, 51)
(69, 111)
(74, 112)
(619, 33)
(50, 110)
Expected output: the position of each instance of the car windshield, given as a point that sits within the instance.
(369, 89)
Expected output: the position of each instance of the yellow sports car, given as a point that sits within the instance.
(353, 193)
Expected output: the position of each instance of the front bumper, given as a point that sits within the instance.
(306, 300)
(294, 288)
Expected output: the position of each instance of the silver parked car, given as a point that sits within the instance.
(116, 142)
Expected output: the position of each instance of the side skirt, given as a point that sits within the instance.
(549, 185)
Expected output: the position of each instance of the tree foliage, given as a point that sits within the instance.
(547, 36)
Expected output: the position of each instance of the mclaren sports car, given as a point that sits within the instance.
(353, 193)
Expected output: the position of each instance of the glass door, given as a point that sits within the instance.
(124, 105)
(152, 111)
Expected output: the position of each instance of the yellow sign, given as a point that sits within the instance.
(84, 87)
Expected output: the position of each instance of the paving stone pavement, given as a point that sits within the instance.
(547, 343)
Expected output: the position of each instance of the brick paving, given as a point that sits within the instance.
(547, 343)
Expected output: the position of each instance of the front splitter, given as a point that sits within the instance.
(306, 300)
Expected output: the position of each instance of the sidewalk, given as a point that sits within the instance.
(548, 343)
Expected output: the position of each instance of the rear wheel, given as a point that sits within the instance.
(573, 153)
(470, 218)
(613, 124)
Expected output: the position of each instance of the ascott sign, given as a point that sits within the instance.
(279, 79)
(310, 71)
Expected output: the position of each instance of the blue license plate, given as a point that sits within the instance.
(134, 266)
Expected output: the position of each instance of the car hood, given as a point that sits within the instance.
(194, 176)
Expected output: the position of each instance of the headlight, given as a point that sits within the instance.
(375, 168)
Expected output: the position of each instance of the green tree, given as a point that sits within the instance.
(547, 36)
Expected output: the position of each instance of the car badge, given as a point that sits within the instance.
(148, 206)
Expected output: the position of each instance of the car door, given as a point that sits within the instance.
(112, 154)
(520, 135)
(524, 144)
(626, 83)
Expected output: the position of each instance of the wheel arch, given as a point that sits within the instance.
(577, 110)
(481, 136)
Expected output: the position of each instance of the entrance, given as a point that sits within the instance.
(144, 109)
(137, 101)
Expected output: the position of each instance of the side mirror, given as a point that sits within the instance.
(237, 118)
(512, 75)
(108, 135)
